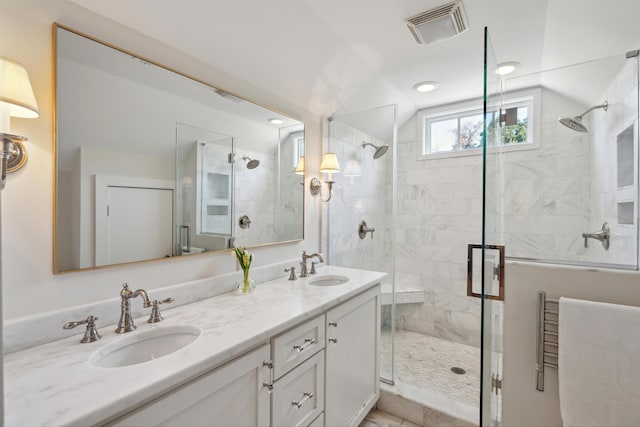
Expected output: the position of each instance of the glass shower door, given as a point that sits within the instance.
(363, 195)
(492, 248)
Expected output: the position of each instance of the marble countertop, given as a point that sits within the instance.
(53, 384)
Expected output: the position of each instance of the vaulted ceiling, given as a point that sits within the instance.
(347, 55)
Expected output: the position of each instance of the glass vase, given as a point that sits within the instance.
(247, 285)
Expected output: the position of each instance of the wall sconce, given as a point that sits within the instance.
(16, 100)
(300, 166)
(329, 165)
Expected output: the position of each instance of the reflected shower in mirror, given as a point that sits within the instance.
(148, 162)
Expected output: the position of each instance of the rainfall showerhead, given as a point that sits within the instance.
(252, 164)
(380, 150)
(575, 123)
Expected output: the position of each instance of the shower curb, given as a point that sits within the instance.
(394, 402)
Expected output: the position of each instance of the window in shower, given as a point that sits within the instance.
(456, 130)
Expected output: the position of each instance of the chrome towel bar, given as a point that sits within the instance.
(547, 337)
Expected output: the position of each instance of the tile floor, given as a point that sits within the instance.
(377, 418)
(426, 391)
(425, 362)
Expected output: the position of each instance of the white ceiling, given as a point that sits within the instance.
(336, 55)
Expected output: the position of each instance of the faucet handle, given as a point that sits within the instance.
(292, 275)
(91, 333)
(155, 316)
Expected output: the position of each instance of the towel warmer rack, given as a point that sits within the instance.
(547, 337)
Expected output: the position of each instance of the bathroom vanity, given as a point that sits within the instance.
(289, 354)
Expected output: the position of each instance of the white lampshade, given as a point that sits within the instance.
(15, 90)
(329, 163)
(352, 168)
(300, 166)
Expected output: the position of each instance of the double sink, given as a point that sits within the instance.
(160, 341)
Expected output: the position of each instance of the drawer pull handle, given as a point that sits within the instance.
(333, 341)
(268, 364)
(334, 324)
(306, 396)
(268, 386)
(307, 341)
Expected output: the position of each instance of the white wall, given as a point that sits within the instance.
(29, 286)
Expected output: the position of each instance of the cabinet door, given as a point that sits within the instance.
(232, 395)
(352, 385)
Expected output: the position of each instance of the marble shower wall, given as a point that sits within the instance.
(357, 198)
(545, 206)
(615, 182)
(255, 198)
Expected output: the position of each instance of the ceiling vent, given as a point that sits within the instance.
(440, 23)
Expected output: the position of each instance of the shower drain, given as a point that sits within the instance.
(458, 371)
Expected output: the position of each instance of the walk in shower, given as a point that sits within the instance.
(547, 192)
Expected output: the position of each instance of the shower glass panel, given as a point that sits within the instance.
(204, 202)
(494, 125)
(365, 144)
(572, 197)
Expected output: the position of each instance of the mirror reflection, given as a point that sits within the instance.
(152, 164)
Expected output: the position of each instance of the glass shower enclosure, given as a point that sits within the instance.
(362, 198)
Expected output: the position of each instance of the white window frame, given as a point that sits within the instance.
(526, 97)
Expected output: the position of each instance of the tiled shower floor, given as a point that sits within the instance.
(423, 372)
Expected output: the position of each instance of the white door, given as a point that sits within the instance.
(139, 223)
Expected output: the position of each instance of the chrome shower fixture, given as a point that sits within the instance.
(575, 123)
(380, 150)
(251, 164)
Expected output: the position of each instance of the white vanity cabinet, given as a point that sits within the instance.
(232, 395)
(321, 372)
(352, 359)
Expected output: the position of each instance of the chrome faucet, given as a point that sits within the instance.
(303, 264)
(125, 324)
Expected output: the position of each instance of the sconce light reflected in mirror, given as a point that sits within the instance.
(16, 100)
(329, 166)
(352, 168)
(300, 166)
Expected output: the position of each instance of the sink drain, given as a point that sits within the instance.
(458, 371)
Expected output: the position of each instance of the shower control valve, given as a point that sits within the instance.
(363, 230)
(244, 222)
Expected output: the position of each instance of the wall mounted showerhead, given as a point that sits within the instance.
(380, 150)
(251, 164)
(575, 123)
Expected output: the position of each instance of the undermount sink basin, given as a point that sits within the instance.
(327, 280)
(144, 346)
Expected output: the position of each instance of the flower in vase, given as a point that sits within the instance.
(244, 259)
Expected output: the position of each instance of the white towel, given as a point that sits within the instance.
(599, 364)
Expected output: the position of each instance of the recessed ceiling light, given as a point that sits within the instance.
(424, 87)
(505, 68)
(276, 121)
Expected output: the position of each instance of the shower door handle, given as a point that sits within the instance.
(493, 271)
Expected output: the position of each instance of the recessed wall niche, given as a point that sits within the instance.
(625, 157)
(625, 213)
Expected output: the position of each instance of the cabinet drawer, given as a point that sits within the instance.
(318, 422)
(296, 345)
(298, 397)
